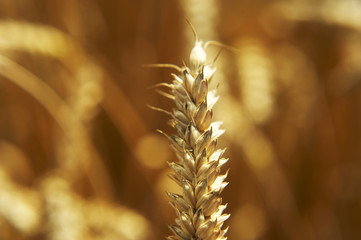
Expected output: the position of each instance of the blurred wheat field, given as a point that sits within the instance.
(79, 154)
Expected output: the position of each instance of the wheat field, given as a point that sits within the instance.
(80, 155)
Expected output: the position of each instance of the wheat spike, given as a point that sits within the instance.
(199, 210)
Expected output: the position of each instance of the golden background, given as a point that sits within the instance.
(79, 154)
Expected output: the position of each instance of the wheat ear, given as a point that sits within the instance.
(199, 210)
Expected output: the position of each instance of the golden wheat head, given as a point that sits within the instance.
(199, 208)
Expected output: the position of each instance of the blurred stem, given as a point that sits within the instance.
(63, 115)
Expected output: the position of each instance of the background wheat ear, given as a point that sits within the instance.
(198, 169)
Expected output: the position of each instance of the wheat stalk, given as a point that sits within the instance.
(199, 210)
(75, 151)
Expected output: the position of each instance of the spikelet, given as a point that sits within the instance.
(199, 210)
